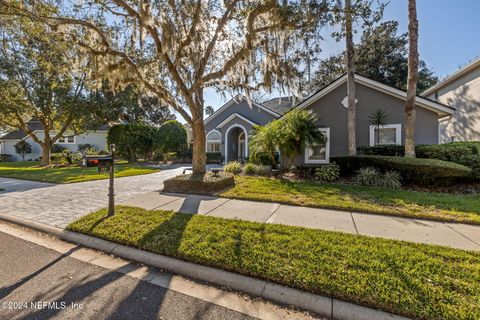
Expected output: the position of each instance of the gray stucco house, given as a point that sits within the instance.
(460, 90)
(96, 138)
(229, 128)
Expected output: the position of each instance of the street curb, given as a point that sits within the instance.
(321, 305)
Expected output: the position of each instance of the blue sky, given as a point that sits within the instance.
(449, 35)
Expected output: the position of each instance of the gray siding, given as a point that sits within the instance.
(332, 114)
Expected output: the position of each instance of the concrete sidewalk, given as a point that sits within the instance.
(455, 235)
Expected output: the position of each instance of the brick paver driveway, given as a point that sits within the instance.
(58, 205)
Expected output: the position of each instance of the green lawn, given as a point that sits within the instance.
(31, 171)
(435, 206)
(414, 280)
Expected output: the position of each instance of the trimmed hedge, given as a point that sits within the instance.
(413, 170)
(199, 184)
(214, 157)
(6, 157)
(393, 150)
(465, 153)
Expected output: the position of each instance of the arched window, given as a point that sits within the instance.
(214, 135)
(214, 141)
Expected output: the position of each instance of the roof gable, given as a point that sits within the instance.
(439, 108)
(454, 76)
(233, 116)
(235, 100)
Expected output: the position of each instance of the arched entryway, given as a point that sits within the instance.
(236, 143)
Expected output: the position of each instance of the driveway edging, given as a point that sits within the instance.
(322, 305)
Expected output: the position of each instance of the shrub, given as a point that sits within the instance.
(171, 137)
(132, 140)
(90, 151)
(200, 184)
(56, 148)
(370, 176)
(23, 148)
(391, 180)
(83, 147)
(58, 158)
(234, 167)
(254, 169)
(214, 157)
(328, 173)
(6, 158)
(412, 170)
(382, 150)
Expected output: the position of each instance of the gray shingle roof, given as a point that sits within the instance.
(280, 104)
(20, 134)
(36, 125)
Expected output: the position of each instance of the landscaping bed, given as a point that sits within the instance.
(70, 174)
(414, 280)
(406, 203)
(200, 184)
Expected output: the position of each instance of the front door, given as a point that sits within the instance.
(241, 147)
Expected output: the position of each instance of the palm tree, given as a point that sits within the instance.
(412, 79)
(300, 129)
(264, 141)
(350, 58)
(209, 111)
(378, 119)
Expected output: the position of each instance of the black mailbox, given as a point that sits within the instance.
(103, 163)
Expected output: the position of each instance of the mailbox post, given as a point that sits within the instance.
(111, 190)
(105, 163)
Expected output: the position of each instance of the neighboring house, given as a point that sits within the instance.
(460, 90)
(96, 138)
(228, 130)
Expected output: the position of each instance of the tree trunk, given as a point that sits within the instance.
(412, 79)
(45, 154)
(350, 55)
(199, 140)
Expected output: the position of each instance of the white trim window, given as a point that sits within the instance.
(66, 140)
(214, 141)
(319, 153)
(386, 135)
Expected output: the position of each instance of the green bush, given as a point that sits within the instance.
(56, 148)
(234, 167)
(85, 146)
(391, 180)
(171, 137)
(382, 150)
(466, 153)
(370, 176)
(132, 140)
(254, 169)
(412, 170)
(6, 158)
(214, 157)
(328, 173)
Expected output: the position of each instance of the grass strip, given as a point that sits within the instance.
(414, 280)
(406, 203)
(31, 171)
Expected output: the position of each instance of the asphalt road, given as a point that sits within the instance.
(39, 283)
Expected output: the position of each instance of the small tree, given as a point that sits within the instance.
(132, 140)
(264, 141)
(299, 129)
(378, 119)
(22, 148)
(171, 137)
